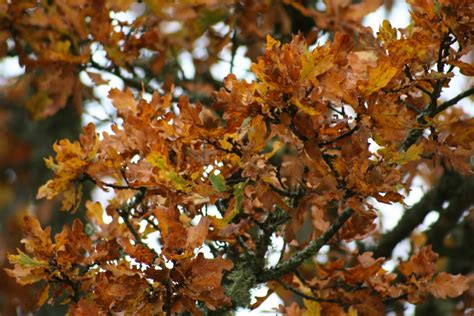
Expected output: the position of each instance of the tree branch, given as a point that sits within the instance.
(131, 82)
(312, 249)
(432, 109)
(343, 135)
(454, 100)
(460, 200)
(415, 215)
(124, 212)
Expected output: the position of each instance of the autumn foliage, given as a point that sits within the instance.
(206, 176)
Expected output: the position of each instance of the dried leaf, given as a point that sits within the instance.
(447, 285)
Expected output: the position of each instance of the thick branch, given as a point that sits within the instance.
(461, 199)
(298, 258)
(433, 200)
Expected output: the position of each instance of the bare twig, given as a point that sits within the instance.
(454, 100)
(131, 82)
(124, 213)
(343, 135)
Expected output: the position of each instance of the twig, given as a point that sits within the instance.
(412, 137)
(234, 51)
(340, 112)
(63, 278)
(306, 296)
(407, 72)
(150, 221)
(423, 90)
(415, 133)
(137, 84)
(454, 100)
(432, 109)
(86, 176)
(129, 225)
(124, 212)
(411, 107)
(343, 135)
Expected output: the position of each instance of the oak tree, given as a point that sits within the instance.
(208, 180)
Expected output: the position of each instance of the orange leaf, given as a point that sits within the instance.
(465, 68)
(197, 234)
(421, 264)
(123, 101)
(97, 78)
(448, 285)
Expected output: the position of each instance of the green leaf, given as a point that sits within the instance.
(235, 205)
(239, 192)
(437, 8)
(26, 261)
(218, 182)
(168, 173)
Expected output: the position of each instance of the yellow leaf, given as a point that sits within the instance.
(315, 63)
(276, 146)
(307, 64)
(94, 212)
(50, 164)
(304, 108)
(379, 77)
(224, 143)
(352, 311)
(235, 206)
(257, 133)
(386, 32)
(234, 159)
(44, 295)
(412, 154)
(45, 191)
(72, 198)
(312, 308)
(271, 42)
